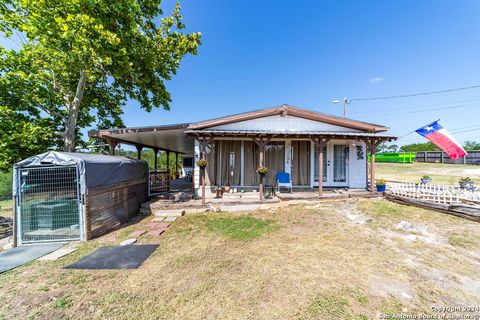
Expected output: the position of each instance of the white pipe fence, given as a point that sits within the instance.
(435, 193)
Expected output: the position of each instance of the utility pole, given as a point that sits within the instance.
(345, 102)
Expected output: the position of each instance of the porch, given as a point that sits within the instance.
(233, 157)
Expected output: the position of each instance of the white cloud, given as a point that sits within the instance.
(377, 80)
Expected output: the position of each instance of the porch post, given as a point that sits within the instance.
(155, 152)
(320, 171)
(261, 145)
(260, 155)
(176, 164)
(168, 162)
(373, 144)
(112, 145)
(202, 173)
(203, 142)
(319, 144)
(139, 151)
(372, 167)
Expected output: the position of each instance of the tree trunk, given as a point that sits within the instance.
(73, 111)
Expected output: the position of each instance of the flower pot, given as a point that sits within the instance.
(426, 180)
(468, 185)
(381, 188)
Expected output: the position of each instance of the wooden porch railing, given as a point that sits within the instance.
(158, 182)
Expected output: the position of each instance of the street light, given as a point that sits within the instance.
(345, 102)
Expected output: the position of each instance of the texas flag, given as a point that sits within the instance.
(443, 139)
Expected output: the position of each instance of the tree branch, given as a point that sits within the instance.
(57, 87)
(80, 90)
(54, 113)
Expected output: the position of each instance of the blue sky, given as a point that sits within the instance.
(257, 54)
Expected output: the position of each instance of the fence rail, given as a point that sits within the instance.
(473, 157)
(434, 193)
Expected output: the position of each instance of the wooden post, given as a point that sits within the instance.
(320, 172)
(112, 145)
(168, 163)
(155, 152)
(320, 144)
(260, 187)
(373, 144)
(203, 142)
(176, 164)
(202, 173)
(261, 143)
(139, 151)
(372, 168)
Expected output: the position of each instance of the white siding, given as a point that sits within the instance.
(286, 123)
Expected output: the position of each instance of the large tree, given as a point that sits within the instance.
(79, 61)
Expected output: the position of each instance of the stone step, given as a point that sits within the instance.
(158, 205)
(168, 213)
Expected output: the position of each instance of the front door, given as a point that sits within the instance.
(335, 165)
(339, 174)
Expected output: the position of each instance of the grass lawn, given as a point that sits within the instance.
(349, 259)
(440, 173)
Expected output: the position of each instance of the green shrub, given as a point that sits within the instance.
(5, 183)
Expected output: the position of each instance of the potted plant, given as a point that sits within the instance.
(226, 188)
(381, 185)
(466, 183)
(425, 179)
(262, 171)
(202, 163)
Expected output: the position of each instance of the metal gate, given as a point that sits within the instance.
(158, 182)
(49, 204)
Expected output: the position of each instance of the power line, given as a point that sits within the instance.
(415, 94)
(419, 106)
(426, 110)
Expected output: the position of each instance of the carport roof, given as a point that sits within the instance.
(167, 137)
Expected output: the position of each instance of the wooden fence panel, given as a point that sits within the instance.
(473, 157)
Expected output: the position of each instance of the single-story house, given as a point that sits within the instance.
(282, 138)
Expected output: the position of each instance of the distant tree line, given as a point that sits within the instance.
(426, 146)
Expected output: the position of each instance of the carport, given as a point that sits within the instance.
(170, 139)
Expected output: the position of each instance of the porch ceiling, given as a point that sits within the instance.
(289, 134)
